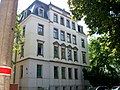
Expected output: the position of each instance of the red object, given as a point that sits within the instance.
(13, 86)
(4, 70)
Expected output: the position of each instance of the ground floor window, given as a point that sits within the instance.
(56, 72)
(40, 88)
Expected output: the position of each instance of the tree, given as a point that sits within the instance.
(104, 67)
(18, 38)
(102, 17)
(18, 41)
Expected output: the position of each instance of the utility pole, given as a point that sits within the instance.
(8, 9)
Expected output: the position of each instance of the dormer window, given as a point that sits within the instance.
(55, 18)
(41, 12)
(25, 14)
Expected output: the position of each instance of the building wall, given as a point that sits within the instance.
(29, 81)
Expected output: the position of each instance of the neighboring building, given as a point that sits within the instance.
(54, 50)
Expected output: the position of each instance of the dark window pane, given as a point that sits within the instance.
(40, 29)
(84, 57)
(68, 23)
(41, 12)
(75, 56)
(64, 88)
(68, 38)
(55, 18)
(69, 54)
(22, 51)
(83, 43)
(73, 25)
(21, 71)
(74, 39)
(56, 72)
(24, 31)
(56, 52)
(39, 71)
(40, 88)
(76, 73)
(55, 33)
(63, 53)
(70, 73)
(61, 20)
(40, 49)
(63, 72)
(62, 36)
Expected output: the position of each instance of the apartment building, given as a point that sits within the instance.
(54, 50)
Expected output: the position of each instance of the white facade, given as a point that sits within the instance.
(27, 76)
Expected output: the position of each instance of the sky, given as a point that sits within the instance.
(23, 4)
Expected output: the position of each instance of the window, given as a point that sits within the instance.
(21, 71)
(55, 72)
(63, 53)
(84, 57)
(55, 33)
(41, 12)
(20, 88)
(40, 88)
(55, 18)
(39, 71)
(70, 73)
(75, 56)
(40, 49)
(63, 88)
(22, 51)
(25, 14)
(76, 87)
(76, 73)
(68, 38)
(23, 31)
(61, 20)
(73, 25)
(83, 43)
(63, 73)
(62, 36)
(70, 87)
(80, 29)
(74, 39)
(40, 29)
(56, 88)
(56, 51)
(68, 23)
(69, 54)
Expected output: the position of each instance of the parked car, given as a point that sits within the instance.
(115, 88)
(98, 88)
(91, 88)
(102, 88)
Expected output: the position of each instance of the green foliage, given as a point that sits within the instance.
(105, 69)
(18, 38)
(103, 18)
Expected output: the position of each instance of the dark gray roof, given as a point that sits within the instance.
(33, 9)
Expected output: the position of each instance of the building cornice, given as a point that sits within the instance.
(53, 61)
